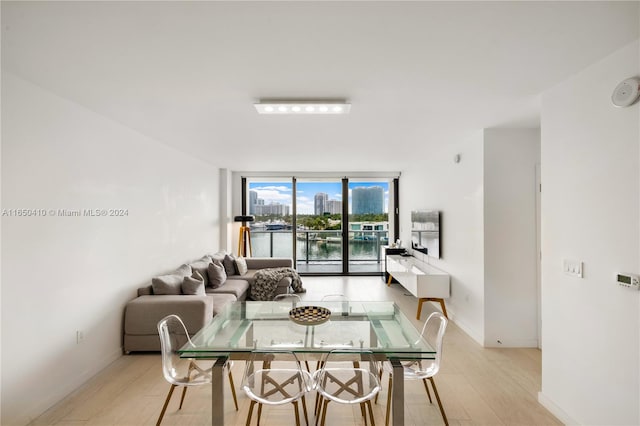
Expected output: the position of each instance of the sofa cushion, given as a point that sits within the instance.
(193, 285)
(241, 265)
(237, 287)
(167, 284)
(217, 274)
(229, 263)
(145, 291)
(268, 262)
(201, 266)
(221, 300)
(143, 313)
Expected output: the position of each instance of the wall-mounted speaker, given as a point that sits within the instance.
(626, 93)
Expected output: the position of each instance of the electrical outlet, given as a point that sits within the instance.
(572, 268)
(79, 337)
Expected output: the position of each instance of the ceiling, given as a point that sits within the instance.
(418, 74)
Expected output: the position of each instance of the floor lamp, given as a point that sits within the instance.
(244, 239)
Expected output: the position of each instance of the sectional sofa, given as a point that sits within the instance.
(196, 292)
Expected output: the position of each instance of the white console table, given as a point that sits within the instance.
(427, 283)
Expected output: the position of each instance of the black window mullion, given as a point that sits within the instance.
(294, 221)
(345, 226)
(396, 208)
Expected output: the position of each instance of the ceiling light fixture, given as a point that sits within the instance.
(302, 107)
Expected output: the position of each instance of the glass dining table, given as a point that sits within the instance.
(242, 327)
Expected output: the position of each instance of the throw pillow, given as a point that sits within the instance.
(193, 285)
(167, 284)
(241, 265)
(229, 263)
(202, 267)
(217, 274)
(184, 271)
(218, 256)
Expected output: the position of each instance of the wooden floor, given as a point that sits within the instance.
(477, 385)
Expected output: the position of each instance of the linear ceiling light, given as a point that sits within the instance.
(302, 107)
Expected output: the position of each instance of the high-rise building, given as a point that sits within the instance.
(320, 203)
(253, 201)
(275, 209)
(334, 207)
(367, 200)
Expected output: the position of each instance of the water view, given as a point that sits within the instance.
(318, 219)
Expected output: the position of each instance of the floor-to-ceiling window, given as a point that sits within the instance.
(271, 202)
(319, 236)
(329, 225)
(368, 224)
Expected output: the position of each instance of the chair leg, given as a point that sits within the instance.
(324, 411)
(184, 393)
(253, 403)
(233, 390)
(318, 404)
(297, 412)
(318, 411)
(166, 403)
(259, 414)
(435, 391)
(427, 389)
(373, 422)
(386, 418)
(375, 401)
(363, 412)
(304, 410)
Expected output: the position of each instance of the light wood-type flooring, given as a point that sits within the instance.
(478, 386)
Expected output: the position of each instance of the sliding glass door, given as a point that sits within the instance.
(368, 224)
(328, 225)
(270, 201)
(319, 237)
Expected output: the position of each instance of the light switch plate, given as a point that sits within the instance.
(572, 267)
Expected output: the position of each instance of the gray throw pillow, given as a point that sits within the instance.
(184, 271)
(202, 266)
(241, 265)
(167, 284)
(229, 263)
(193, 285)
(217, 274)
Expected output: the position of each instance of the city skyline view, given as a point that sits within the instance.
(282, 192)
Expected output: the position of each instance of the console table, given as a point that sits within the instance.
(387, 251)
(427, 283)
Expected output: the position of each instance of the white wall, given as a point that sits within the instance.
(435, 181)
(510, 260)
(226, 214)
(590, 213)
(62, 274)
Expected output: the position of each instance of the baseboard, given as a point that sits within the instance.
(69, 388)
(513, 343)
(556, 410)
(452, 317)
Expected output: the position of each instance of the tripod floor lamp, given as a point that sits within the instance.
(244, 239)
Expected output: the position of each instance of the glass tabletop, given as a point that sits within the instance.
(246, 326)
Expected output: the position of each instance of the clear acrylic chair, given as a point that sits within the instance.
(281, 380)
(336, 307)
(347, 377)
(433, 332)
(294, 298)
(181, 371)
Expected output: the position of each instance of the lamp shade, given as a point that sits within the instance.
(245, 218)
